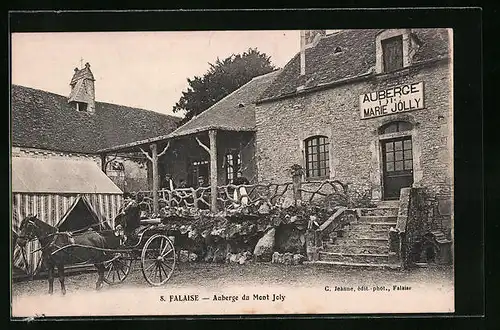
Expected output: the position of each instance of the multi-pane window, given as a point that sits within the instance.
(317, 160)
(233, 166)
(392, 49)
(398, 155)
(199, 168)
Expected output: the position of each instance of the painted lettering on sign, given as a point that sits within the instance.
(393, 100)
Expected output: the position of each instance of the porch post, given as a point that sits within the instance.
(103, 163)
(156, 183)
(212, 134)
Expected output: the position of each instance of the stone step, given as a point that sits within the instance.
(370, 226)
(363, 258)
(392, 204)
(346, 241)
(356, 249)
(374, 233)
(380, 211)
(389, 266)
(378, 218)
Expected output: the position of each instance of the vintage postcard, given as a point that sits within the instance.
(232, 172)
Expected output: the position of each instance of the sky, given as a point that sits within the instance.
(140, 69)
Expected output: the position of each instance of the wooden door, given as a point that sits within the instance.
(397, 166)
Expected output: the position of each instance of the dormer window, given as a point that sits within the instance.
(394, 50)
(337, 50)
(81, 106)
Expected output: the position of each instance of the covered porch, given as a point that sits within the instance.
(198, 162)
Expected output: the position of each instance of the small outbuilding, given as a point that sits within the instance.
(68, 194)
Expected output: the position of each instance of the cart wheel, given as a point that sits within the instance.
(117, 269)
(158, 259)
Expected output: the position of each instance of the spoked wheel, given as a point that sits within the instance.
(158, 259)
(118, 268)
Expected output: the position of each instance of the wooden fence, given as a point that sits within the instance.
(272, 193)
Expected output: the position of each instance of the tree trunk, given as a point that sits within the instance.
(156, 182)
(213, 170)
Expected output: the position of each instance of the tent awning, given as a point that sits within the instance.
(37, 175)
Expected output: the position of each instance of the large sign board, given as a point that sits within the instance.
(392, 100)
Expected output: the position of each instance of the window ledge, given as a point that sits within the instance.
(315, 178)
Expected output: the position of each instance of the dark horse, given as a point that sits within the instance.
(51, 240)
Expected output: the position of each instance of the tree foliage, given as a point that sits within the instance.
(222, 78)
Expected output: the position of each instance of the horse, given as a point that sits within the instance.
(51, 241)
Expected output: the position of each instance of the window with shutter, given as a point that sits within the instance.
(392, 49)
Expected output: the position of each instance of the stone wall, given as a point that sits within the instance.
(51, 154)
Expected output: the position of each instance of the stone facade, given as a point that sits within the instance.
(355, 144)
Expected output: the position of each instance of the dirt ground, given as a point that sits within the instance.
(216, 275)
(433, 283)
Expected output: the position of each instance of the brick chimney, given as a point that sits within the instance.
(308, 39)
(82, 95)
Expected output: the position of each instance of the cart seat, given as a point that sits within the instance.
(154, 221)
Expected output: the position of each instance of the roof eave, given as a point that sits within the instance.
(130, 146)
(343, 81)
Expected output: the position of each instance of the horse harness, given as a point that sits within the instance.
(52, 243)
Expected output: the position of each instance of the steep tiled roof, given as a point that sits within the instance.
(235, 112)
(357, 57)
(45, 120)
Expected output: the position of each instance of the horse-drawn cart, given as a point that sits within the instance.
(109, 250)
(150, 246)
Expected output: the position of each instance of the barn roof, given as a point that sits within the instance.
(357, 56)
(235, 112)
(45, 120)
(37, 175)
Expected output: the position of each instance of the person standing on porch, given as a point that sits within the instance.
(169, 183)
(240, 194)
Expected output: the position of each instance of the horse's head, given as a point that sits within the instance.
(28, 230)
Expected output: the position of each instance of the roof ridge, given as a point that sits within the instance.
(101, 102)
(142, 109)
(265, 74)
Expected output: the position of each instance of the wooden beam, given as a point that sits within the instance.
(146, 154)
(207, 149)
(103, 163)
(164, 149)
(156, 182)
(212, 134)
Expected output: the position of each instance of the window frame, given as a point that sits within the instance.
(388, 34)
(392, 62)
(313, 159)
(399, 128)
(235, 162)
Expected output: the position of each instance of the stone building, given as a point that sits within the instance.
(47, 125)
(372, 108)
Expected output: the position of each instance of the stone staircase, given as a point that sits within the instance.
(364, 243)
